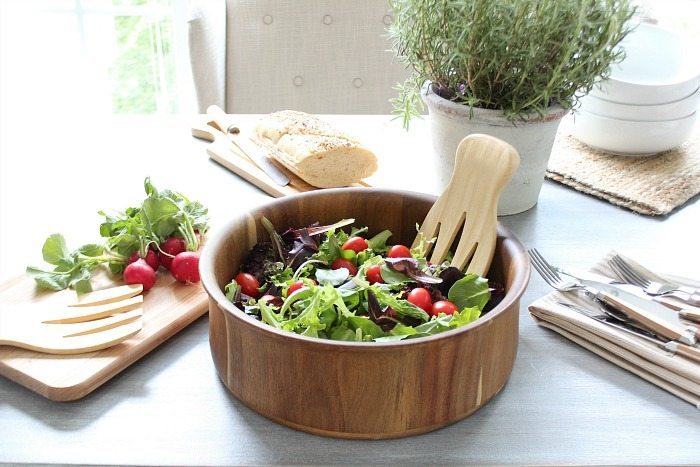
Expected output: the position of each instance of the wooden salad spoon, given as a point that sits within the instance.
(483, 166)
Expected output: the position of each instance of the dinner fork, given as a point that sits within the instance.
(96, 321)
(632, 275)
(653, 323)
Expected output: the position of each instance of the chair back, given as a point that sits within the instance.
(317, 56)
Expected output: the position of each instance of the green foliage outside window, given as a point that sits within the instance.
(143, 73)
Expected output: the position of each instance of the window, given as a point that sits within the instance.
(100, 56)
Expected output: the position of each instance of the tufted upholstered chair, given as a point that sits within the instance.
(318, 56)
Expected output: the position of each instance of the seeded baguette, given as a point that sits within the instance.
(314, 150)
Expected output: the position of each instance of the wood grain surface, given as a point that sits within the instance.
(167, 308)
(348, 389)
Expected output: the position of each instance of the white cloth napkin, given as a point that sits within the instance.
(673, 373)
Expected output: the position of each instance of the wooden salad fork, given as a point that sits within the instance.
(94, 321)
(483, 166)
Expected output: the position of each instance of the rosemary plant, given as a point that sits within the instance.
(519, 56)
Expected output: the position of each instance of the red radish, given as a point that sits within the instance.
(139, 272)
(151, 258)
(344, 263)
(169, 249)
(399, 251)
(356, 244)
(249, 284)
(374, 274)
(185, 267)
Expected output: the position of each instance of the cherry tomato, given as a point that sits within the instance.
(399, 251)
(356, 244)
(443, 306)
(374, 274)
(420, 297)
(297, 285)
(344, 263)
(249, 284)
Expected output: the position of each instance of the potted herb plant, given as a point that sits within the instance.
(512, 69)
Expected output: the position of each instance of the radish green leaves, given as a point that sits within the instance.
(161, 215)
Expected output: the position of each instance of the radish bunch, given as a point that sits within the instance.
(165, 230)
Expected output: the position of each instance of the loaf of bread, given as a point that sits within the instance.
(314, 150)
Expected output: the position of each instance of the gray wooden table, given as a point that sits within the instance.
(561, 405)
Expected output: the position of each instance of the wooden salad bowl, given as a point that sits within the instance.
(351, 389)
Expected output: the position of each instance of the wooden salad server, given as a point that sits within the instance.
(95, 321)
(483, 166)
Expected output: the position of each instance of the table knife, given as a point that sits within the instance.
(683, 312)
(241, 142)
(652, 315)
(673, 347)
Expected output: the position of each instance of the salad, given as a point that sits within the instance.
(322, 281)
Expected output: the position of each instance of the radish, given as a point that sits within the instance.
(139, 272)
(151, 258)
(185, 267)
(169, 249)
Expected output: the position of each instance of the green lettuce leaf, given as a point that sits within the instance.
(378, 242)
(469, 292)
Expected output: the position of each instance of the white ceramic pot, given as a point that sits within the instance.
(451, 122)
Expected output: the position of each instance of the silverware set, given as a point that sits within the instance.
(635, 275)
(637, 310)
(610, 319)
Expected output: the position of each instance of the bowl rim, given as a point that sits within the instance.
(695, 94)
(691, 70)
(626, 120)
(209, 283)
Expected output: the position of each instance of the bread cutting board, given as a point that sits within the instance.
(167, 308)
(221, 151)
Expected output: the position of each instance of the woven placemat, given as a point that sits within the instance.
(654, 185)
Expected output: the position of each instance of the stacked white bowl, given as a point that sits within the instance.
(650, 102)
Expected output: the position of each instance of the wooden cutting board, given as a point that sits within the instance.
(167, 308)
(226, 154)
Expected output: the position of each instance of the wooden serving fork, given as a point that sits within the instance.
(483, 165)
(94, 321)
